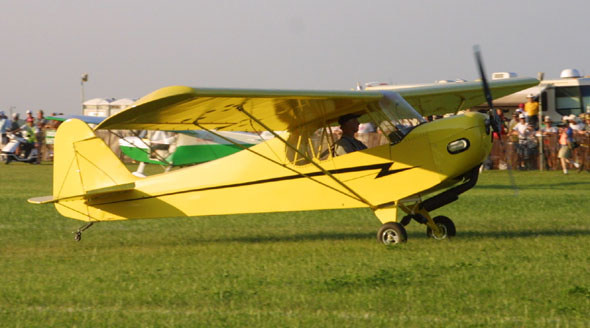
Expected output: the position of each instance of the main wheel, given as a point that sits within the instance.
(392, 233)
(446, 226)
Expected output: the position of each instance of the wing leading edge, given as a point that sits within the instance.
(443, 98)
(184, 108)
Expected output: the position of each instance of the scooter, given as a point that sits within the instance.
(9, 150)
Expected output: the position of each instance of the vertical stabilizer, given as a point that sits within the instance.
(83, 163)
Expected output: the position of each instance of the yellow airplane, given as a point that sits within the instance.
(417, 167)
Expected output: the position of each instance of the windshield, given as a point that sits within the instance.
(394, 116)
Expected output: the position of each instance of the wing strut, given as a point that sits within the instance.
(326, 172)
(269, 159)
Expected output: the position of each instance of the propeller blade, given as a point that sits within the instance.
(482, 75)
(494, 118)
(495, 121)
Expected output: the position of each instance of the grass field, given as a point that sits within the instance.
(517, 261)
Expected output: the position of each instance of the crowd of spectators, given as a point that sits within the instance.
(32, 128)
(564, 144)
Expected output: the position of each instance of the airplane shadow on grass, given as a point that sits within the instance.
(564, 186)
(343, 236)
(524, 233)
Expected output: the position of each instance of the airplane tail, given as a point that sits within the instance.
(84, 166)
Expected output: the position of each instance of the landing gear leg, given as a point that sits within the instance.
(78, 234)
(439, 227)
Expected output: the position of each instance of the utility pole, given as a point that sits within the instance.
(83, 79)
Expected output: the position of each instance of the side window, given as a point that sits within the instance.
(567, 100)
(311, 142)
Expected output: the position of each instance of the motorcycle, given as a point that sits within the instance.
(9, 151)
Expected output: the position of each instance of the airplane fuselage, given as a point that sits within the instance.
(247, 182)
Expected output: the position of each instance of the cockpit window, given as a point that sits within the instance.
(387, 121)
(394, 116)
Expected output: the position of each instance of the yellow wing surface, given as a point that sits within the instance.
(185, 108)
(182, 108)
(443, 98)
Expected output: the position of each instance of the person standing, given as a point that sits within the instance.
(40, 123)
(29, 117)
(532, 111)
(4, 125)
(566, 142)
(523, 131)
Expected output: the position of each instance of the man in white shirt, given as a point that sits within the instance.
(524, 131)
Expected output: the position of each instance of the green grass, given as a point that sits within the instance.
(517, 261)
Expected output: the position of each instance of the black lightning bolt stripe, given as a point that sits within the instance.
(385, 171)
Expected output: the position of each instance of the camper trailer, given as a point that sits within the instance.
(570, 94)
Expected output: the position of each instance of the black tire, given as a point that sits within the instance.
(445, 224)
(392, 233)
(7, 159)
(406, 220)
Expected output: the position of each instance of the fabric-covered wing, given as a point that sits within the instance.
(183, 108)
(443, 98)
(84, 118)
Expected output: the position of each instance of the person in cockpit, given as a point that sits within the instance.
(349, 125)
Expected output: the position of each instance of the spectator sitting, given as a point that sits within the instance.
(14, 124)
(30, 136)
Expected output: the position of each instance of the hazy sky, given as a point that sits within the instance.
(130, 48)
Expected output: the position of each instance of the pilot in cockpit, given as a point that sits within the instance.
(349, 125)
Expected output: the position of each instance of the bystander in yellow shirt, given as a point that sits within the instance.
(531, 108)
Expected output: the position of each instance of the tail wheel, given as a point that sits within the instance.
(392, 233)
(446, 226)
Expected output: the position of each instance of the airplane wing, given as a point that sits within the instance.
(443, 98)
(179, 108)
(185, 108)
(83, 118)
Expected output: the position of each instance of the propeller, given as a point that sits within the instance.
(494, 120)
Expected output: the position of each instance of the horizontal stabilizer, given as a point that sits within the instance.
(42, 200)
(111, 189)
(93, 192)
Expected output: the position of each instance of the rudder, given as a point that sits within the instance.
(83, 163)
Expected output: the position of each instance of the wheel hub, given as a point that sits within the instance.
(390, 236)
(443, 232)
